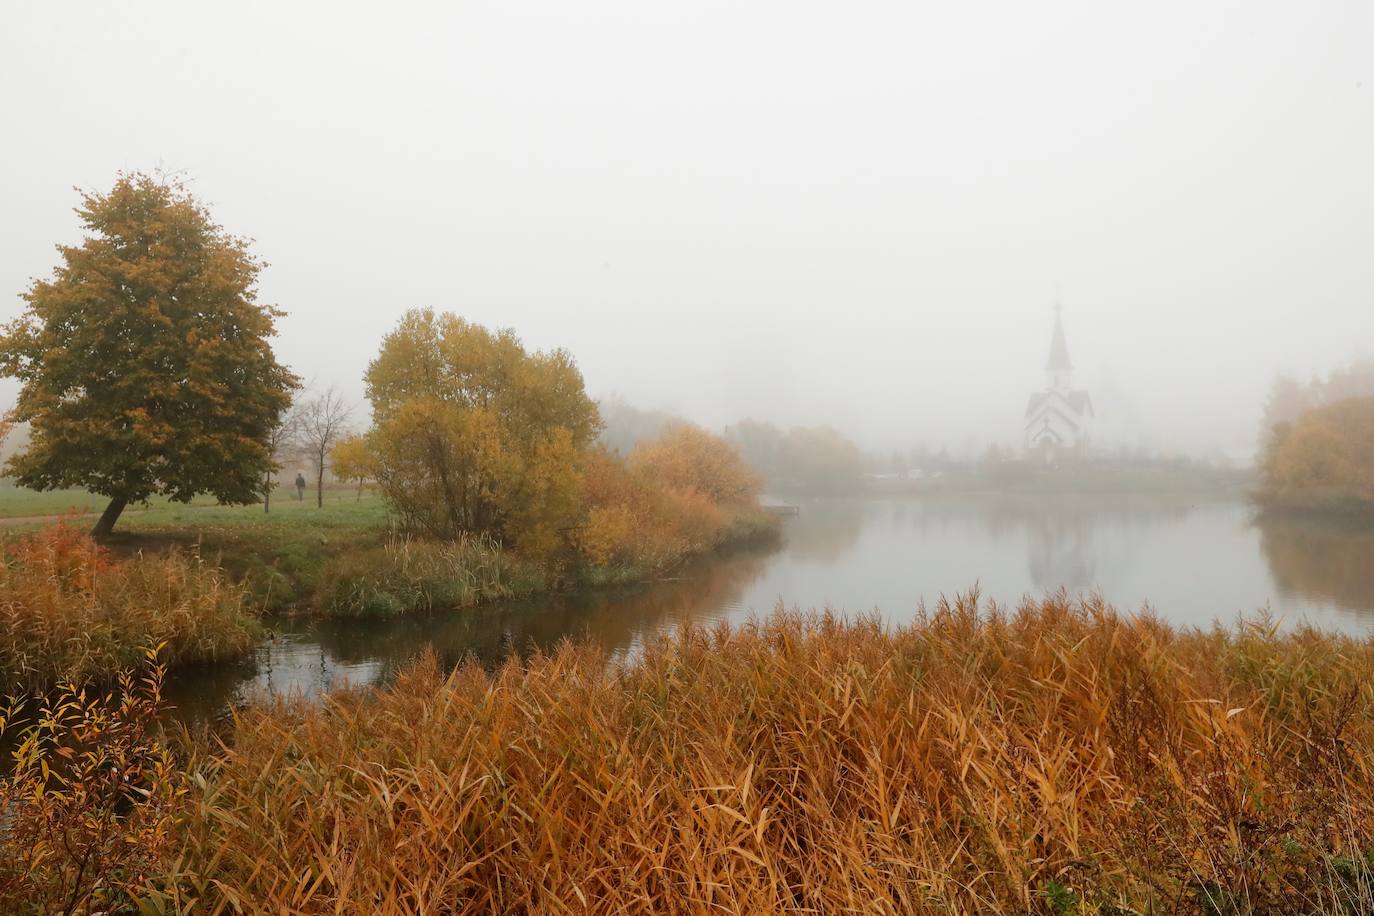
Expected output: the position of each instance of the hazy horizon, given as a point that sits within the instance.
(859, 216)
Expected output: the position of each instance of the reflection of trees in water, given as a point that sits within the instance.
(1325, 560)
(312, 656)
(825, 529)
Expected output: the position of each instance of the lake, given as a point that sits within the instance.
(1192, 561)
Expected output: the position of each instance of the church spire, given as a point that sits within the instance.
(1059, 348)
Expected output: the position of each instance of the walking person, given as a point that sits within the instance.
(300, 486)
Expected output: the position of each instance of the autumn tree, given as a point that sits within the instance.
(321, 422)
(351, 460)
(1289, 398)
(758, 442)
(474, 433)
(144, 361)
(818, 459)
(687, 458)
(1325, 456)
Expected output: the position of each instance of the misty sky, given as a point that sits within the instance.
(850, 213)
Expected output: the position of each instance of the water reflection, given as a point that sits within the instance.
(310, 657)
(1321, 560)
(1193, 562)
(827, 529)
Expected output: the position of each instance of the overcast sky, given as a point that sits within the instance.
(850, 213)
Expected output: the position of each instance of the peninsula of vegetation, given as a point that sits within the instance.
(147, 372)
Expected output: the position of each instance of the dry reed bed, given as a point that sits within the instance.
(1059, 759)
(69, 610)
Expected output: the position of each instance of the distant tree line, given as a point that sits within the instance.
(816, 459)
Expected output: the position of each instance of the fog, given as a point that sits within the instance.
(856, 214)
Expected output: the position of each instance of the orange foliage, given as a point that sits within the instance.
(689, 459)
(1327, 454)
(71, 610)
(93, 801)
(676, 496)
(972, 761)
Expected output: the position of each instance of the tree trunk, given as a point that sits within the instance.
(319, 488)
(106, 524)
(267, 494)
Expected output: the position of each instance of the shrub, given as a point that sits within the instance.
(69, 610)
(684, 494)
(92, 804)
(687, 459)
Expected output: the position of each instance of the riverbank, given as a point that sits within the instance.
(1339, 508)
(71, 610)
(1059, 759)
(198, 579)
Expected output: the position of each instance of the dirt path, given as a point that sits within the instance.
(69, 516)
(45, 519)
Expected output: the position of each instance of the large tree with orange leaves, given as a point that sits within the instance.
(144, 360)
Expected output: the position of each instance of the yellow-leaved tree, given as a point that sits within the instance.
(350, 459)
(475, 434)
(1325, 456)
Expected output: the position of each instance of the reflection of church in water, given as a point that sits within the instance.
(1058, 418)
(1060, 552)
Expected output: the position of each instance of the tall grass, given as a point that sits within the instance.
(408, 575)
(1057, 759)
(70, 610)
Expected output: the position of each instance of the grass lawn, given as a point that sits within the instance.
(17, 502)
(281, 554)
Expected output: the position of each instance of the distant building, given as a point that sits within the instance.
(1058, 419)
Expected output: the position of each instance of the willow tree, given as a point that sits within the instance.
(144, 361)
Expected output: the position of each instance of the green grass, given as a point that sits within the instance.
(344, 558)
(18, 502)
(406, 576)
(282, 555)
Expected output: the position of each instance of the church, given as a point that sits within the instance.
(1059, 417)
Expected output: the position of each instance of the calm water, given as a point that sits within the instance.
(1193, 562)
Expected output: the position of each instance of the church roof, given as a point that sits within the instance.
(1059, 347)
(1077, 401)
